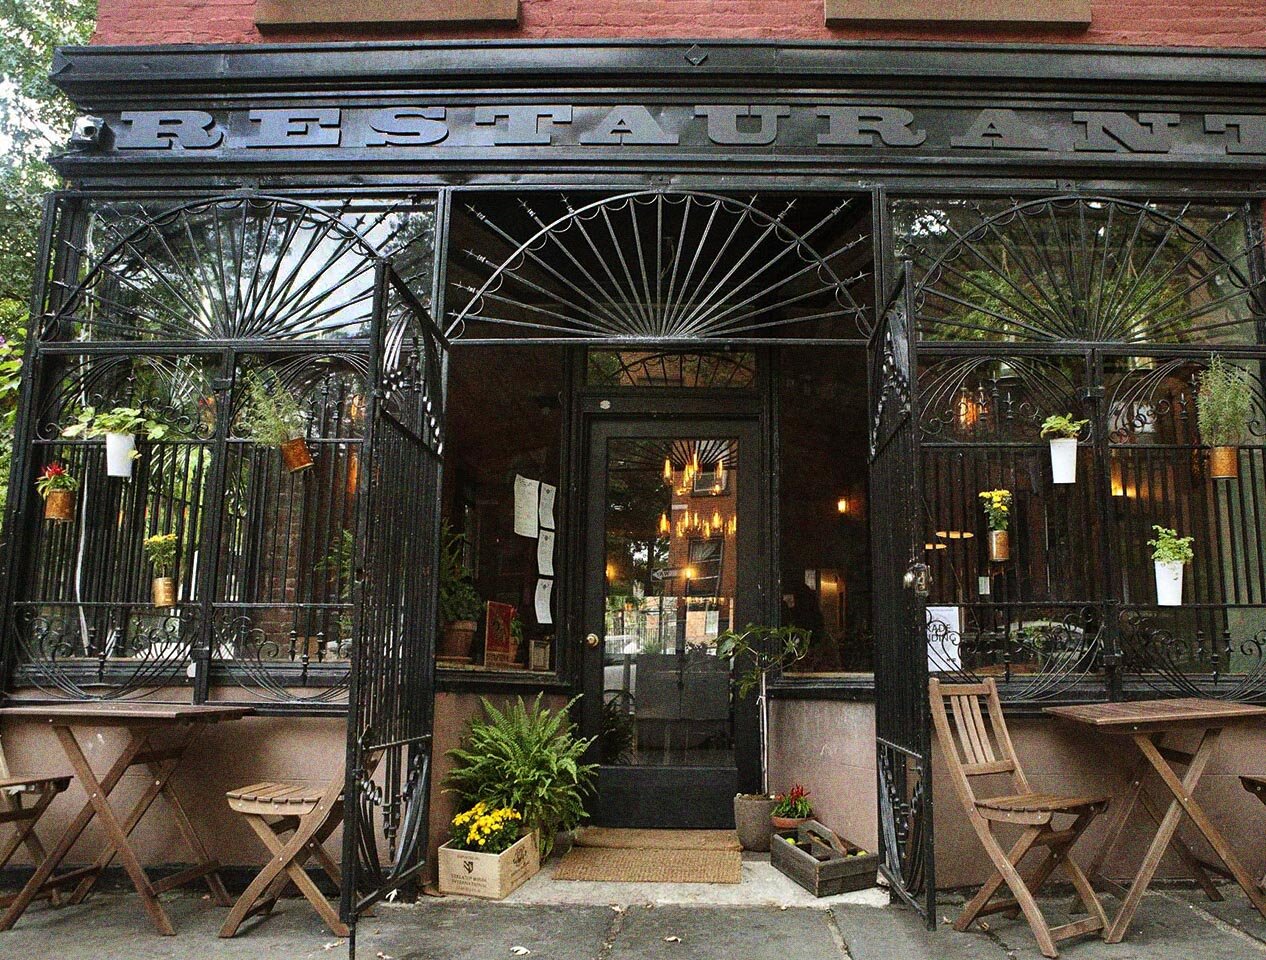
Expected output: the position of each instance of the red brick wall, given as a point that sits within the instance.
(1213, 23)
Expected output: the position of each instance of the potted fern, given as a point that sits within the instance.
(273, 416)
(764, 650)
(1170, 553)
(57, 486)
(1223, 403)
(460, 603)
(526, 758)
(160, 550)
(120, 427)
(1062, 431)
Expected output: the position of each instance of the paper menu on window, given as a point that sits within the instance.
(544, 592)
(944, 632)
(547, 506)
(545, 553)
(526, 495)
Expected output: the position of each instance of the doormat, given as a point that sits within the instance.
(625, 838)
(622, 865)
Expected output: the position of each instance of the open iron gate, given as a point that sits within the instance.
(392, 691)
(904, 760)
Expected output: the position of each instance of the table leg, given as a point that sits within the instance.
(98, 796)
(44, 872)
(1184, 794)
(1094, 872)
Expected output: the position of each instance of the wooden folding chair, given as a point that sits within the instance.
(309, 814)
(974, 747)
(14, 790)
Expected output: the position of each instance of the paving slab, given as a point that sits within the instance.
(478, 930)
(1235, 910)
(712, 933)
(899, 934)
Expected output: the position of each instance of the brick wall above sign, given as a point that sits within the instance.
(1050, 13)
(326, 13)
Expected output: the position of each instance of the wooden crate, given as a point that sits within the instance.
(492, 876)
(822, 863)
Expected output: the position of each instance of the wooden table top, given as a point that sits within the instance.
(1140, 715)
(106, 714)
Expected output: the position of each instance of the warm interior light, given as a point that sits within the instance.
(935, 546)
(665, 528)
(955, 534)
(668, 471)
(842, 505)
(968, 409)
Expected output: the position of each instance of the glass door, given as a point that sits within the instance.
(673, 515)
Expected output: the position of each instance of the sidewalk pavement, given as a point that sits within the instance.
(1172, 925)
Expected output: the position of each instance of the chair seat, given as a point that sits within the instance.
(1040, 803)
(277, 798)
(33, 784)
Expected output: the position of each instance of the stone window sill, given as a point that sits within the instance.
(289, 14)
(1030, 13)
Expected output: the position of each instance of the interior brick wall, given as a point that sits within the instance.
(1210, 23)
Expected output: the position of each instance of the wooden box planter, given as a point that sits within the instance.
(493, 876)
(821, 862)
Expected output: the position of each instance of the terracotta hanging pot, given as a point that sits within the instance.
(296, 455)
(163, 591)
(999, 545)
(59, 505)
(1224, 463)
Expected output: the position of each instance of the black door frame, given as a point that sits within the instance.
(625, 794)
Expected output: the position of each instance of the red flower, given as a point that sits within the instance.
(797, 793)
(54, 470)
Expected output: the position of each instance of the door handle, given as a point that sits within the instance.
(592, 640)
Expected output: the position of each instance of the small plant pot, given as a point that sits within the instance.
(788, 823)
(999, 545)
(163, 591)
(1064, 459)
(752, 820)
(59, 506)
(456, 641)
(1224, 463)
(1168, 584)
(119, 450)
(296, 455)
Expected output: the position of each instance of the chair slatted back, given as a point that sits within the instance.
(973, 735)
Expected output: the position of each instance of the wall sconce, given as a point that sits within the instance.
(842, 506)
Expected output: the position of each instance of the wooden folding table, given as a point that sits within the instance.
(1147, 722)
(177, 726)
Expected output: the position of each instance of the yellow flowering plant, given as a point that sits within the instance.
(997, 505)
(487, 830)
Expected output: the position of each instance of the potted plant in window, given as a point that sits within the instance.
(460, 603)
(1224, 402)
(791, 809)
(160, 550)
(1062, 431)
(763, 650)
(997, 507)
(1170, 553)
(273, 416)
(57, 486)
(119, 426)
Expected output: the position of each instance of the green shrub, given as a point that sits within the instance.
(528, 759)
(1223, 404)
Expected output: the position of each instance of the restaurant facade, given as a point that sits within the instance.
(648, 339)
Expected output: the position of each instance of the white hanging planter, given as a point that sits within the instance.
(1064, 459)
(1168, 583)
(119, 448)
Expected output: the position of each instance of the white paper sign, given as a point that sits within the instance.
(944, 632)
(526, 494)
(547, 506)
(544, 591)
(545, 553)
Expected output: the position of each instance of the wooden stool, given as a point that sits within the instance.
(13, 789)
(310, 813)
(1254, 785)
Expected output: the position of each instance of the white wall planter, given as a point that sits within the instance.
(1168, 583)
(1064, 459)
(119, 447)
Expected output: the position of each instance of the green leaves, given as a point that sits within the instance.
(527, 758)
(1223, 403)
(764, 648)
(1063, 426)
(1168, 547)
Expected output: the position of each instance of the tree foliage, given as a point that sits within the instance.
(35, 121)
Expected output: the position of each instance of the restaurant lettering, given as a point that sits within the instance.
(708, 127)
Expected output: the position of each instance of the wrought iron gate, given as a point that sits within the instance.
(903, 747)
(392, 694)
